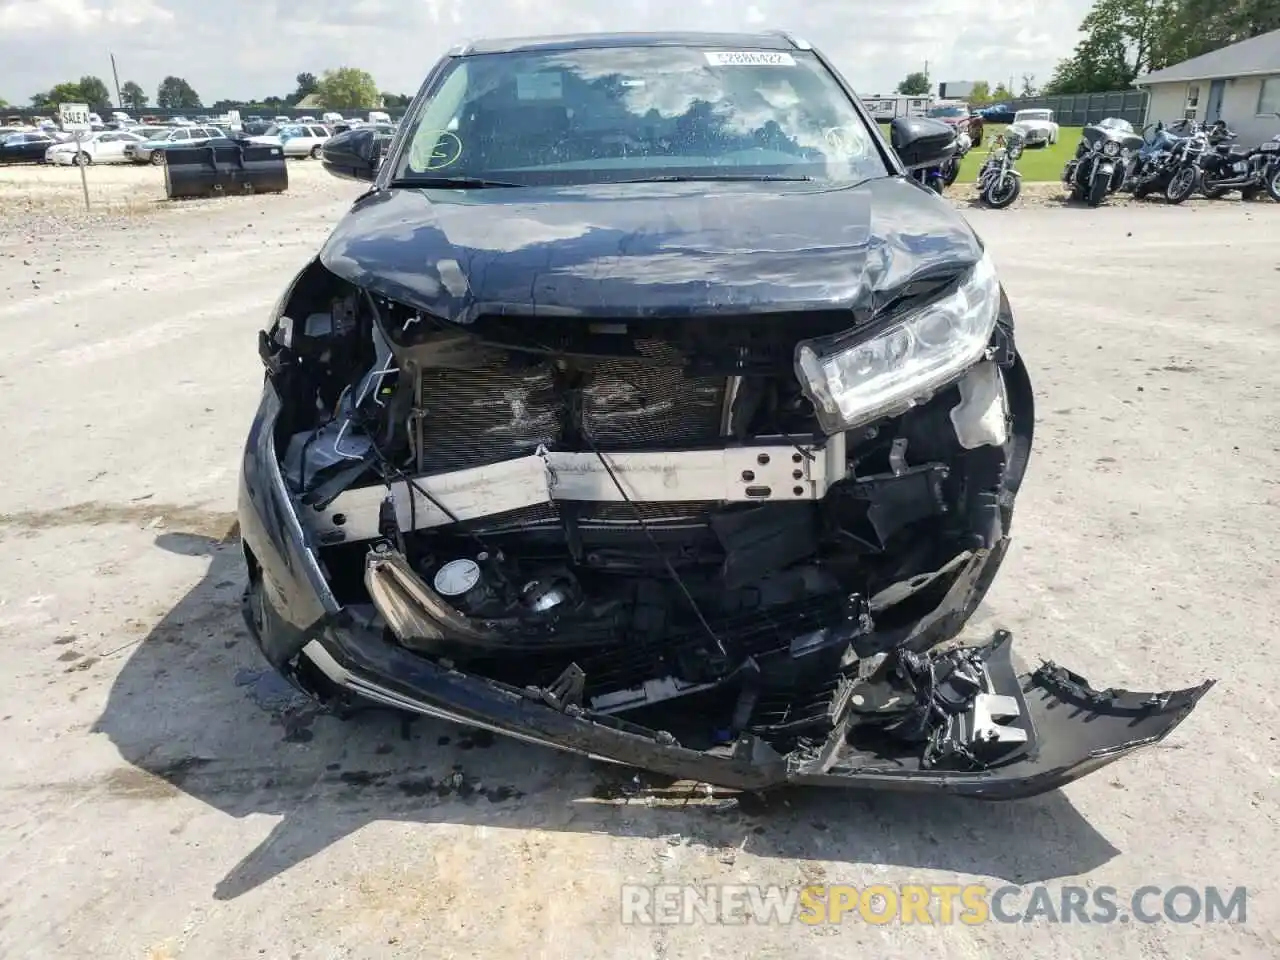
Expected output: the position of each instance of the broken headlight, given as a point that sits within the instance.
(852, 383)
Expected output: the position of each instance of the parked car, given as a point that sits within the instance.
(960, 118)
(296, 139)
(107, 146)
(509, 466)
(1036, 127)
(152, 151)
(998, 113)
(27, 147)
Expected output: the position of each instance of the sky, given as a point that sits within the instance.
(237, 49)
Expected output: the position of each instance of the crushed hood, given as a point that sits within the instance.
(646, 250)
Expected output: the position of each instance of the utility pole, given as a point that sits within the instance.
(116, 76)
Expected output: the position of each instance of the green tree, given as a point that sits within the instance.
(1029, 88)
(391, 101)
(94, 92)
(914, 84)
(307, 84)
(132, 95)
(981, 92)
(1123, 39)
(3, 103)
(1001, 94)
(68, 92)
(176, 94)
(347, 89)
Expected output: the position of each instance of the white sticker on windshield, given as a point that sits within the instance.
(539, 86)
(749, 58)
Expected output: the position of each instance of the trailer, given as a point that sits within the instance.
(884, 109)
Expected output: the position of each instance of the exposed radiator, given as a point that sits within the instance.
(482, 415)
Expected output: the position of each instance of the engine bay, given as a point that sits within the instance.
(642, 519)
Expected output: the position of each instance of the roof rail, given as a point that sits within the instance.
(798, 42)
(461, 49)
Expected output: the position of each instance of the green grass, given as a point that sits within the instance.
(1037, 164)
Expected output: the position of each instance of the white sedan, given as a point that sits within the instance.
(296, 139)
(106, 146)
(1037, 127)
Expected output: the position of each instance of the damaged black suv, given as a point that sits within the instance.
(645, 407)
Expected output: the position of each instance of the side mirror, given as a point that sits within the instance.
(921, 141)
(354, 155)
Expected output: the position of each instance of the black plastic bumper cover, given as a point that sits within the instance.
(1074, 728)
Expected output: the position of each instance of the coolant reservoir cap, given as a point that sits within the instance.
(457, 577)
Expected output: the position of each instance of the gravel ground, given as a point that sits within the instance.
(164, 797)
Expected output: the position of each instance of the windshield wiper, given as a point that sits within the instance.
(453, 183)
(693, 178)
(711, 177)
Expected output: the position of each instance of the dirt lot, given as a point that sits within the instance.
(163, 797)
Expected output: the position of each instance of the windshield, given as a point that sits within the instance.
(605, 115)
(1031, 115)
(948, 112)
(1115, 123)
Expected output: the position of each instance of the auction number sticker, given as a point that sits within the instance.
(749, 58)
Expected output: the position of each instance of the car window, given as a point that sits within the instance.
(319, 132)
(599, 115)
(14, 140)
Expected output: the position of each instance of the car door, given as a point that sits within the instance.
(37, 144)
(108, 147)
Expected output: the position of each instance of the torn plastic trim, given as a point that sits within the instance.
(1069, 743)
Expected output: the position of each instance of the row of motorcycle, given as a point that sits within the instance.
(1174, 161)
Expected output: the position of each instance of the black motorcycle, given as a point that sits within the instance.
(998, 182)
(1169, 162)
(1102, 160)
(1249, 170)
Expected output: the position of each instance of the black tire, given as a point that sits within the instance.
(950, 170)
(1077, 193)
(1207, 187)
(316, 152)
(999, 200)
(1097, 190)
(157, 158)
(1273, 182)
(1250, 193)
(1141, 191)
(1181, 185)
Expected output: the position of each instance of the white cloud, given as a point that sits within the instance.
(242, 48)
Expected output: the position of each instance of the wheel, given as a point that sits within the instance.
(157, 158)
(1077, 193)
(1250, 193)
(1000, 193)
(82, 159)
(316, 152)
(1208, 188)
(1097, 191)
(950, 170)
(1181, 185)
(1273, 182)
(1139, 192)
